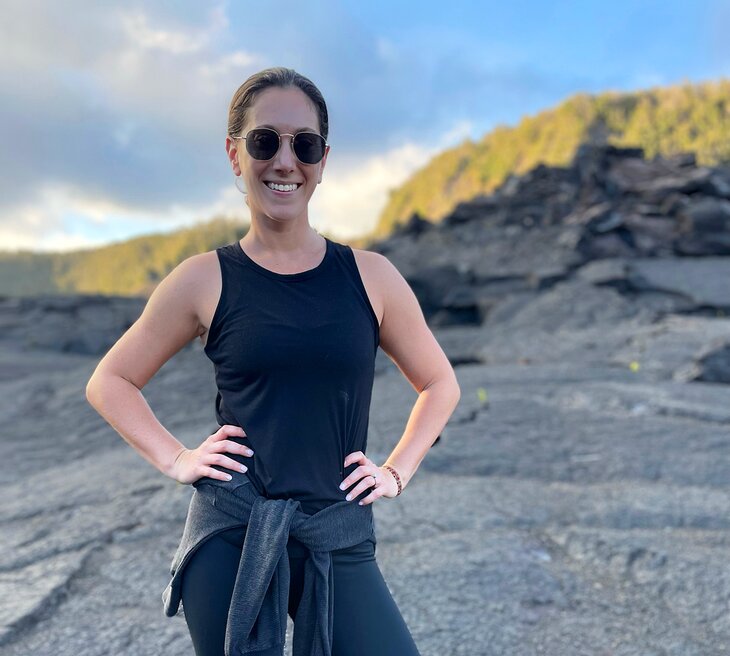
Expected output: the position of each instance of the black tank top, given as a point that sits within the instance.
(294, 359)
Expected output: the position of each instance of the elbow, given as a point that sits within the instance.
(94, 390)
(91, 391)
(447, 384)
(454, 381)
(456, 390)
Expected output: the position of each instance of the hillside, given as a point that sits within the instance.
(129, 268)
(661, 120)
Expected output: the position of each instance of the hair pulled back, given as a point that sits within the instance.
(277, 76)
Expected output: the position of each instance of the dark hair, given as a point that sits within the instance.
(277, 76)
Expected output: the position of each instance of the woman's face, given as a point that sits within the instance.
(288, 110)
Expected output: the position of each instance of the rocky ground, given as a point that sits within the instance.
(576, 503)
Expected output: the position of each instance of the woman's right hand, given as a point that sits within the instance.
(193, 464)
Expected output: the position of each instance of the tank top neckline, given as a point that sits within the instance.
(299, 275)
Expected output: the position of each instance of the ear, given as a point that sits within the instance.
(232, 151)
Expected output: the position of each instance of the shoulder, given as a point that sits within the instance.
(380, 270)
(389, 290)
(196, 284)
(374, 263)
(198, 272)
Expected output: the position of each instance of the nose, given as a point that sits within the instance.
(285, 158)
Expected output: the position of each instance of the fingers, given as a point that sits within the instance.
(211, 460)
(224, 461)
(228, 430)
(365, 478)
(367, 484)
(375, 494)
(356, 456)
(217, 474)
(357, 474)
(214, 448)
(232, 447)
(363, 475)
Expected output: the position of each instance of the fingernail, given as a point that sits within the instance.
(243, 468)
(228, 477)
(250, 452)
(348, 497)
(342, 486)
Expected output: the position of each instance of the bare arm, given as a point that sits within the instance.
(168, 322)
(409, 342)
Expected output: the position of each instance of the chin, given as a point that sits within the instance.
(287, 214)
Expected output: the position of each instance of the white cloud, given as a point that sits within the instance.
(225, 65)
(170, 77)
(29, 228)
(136, 25)
(65, 218)
(350, 199)
(103, 117)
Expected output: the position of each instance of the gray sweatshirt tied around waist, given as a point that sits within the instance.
(257, 616)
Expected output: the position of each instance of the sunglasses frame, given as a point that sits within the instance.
(291, 144)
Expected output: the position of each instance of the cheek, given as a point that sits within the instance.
(255, 171)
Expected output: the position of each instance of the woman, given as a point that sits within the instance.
(292, 322)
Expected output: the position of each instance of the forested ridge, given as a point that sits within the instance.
(132, 267)
(662, 120)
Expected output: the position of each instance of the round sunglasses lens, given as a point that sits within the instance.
(309, 147)
(262, 143)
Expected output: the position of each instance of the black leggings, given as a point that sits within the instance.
(367, 621)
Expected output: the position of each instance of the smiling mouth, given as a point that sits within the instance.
(283, 188)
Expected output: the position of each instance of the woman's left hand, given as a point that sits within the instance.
(385, 484)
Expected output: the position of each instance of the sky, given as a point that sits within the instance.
(113, 115)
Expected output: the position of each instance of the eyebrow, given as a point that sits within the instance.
(273, 127)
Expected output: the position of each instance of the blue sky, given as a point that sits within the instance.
(113, 115)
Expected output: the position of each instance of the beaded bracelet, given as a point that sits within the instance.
(395, 475)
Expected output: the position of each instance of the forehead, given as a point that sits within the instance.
(287, 110)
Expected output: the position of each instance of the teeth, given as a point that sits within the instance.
(279, 187)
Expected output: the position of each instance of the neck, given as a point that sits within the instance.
(290, 242)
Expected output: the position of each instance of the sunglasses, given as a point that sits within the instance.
(264, 143)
